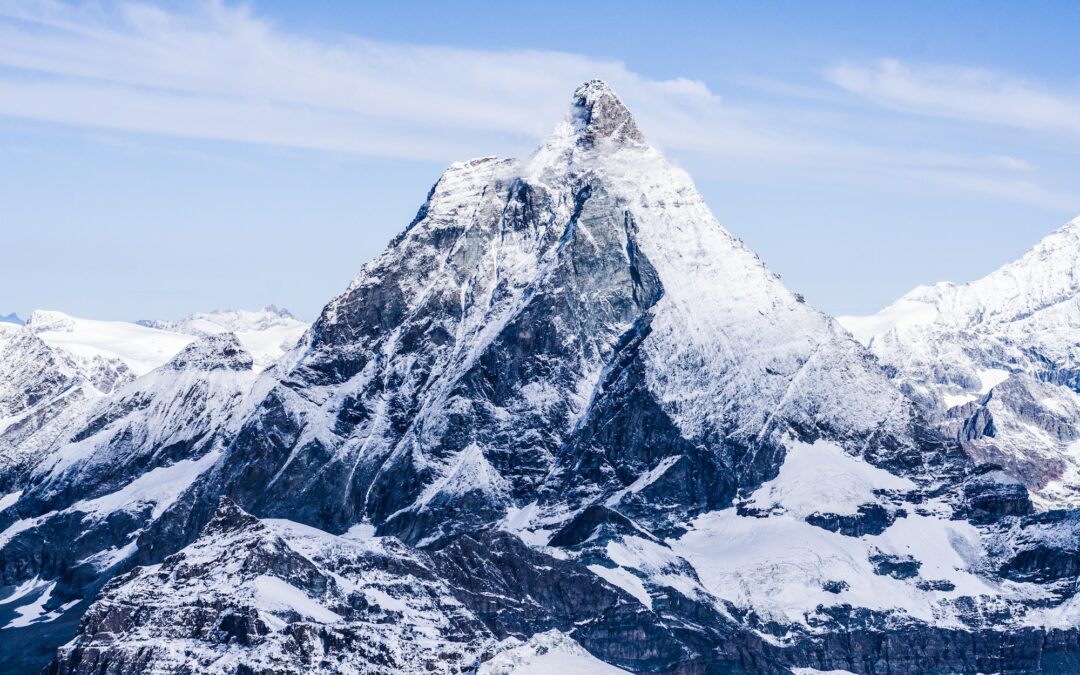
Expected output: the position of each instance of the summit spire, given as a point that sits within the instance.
(598, 113)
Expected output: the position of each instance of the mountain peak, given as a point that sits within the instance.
(279, 311)
(597, 113)
(42, 320)
(221, 351)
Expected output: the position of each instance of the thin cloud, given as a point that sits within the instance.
(969, 94)
(219, 72)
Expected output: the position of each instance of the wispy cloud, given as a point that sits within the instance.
(222, 73)
(970, 94)
(219, 72)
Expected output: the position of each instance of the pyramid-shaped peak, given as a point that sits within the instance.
(220, 351)
(599, 114)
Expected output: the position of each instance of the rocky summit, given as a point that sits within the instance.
(566, 422)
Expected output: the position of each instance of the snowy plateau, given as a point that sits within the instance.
(566, 423)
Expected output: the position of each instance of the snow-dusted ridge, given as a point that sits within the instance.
(997, 361)
(266, 334)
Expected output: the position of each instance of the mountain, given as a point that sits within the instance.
(57, 367)
(139, 348)
(44, 394)
(117, 469)
(265, 333)
(996, 362)
(12, 318)
(565, 420)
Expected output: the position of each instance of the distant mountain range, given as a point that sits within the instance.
(565, 423)
(996, 363)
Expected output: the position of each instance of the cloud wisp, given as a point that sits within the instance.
(969, 94)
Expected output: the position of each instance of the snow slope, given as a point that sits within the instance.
(266, 334)
(140, 348)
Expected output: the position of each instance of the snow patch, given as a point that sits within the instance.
(990, 378)
(624, 579)
(274, 593)
(160, 486)
(644, 480)
(547, 653)
(822, 478)
(9, 499)
(34, 612)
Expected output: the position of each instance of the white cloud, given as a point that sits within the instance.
(961, 93)
(219, 72)
(222, 73)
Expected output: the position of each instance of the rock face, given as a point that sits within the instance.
(74, 521)
(996, 363)
(43, 394)
(564, 414)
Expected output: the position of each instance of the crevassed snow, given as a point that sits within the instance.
(822, 478)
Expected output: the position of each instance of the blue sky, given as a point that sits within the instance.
(166, 159)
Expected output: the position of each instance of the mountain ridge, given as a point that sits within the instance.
(996, 363)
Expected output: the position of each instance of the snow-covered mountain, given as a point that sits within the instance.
(139, 348)
(57, 367)
(44, 394)
(75, 517)
(11, 318)
(996, 362)
(265, 333)
(565, 420)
